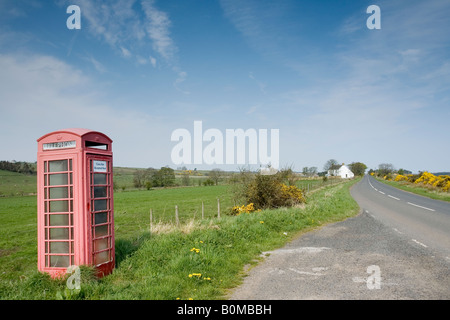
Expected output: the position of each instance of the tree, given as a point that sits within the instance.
(215, 175)
(385, 168)
(358, 168)
(139, 178)
(185, 178)
(309, 171)
(143, 178)
(329, 164)
(164, 177)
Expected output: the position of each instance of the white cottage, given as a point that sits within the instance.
(340, 171)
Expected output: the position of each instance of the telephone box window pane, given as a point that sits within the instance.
(101, 244)
(59, 206)
(101, 231)
(58, 179)
(59, 247)
(59, 261)
(99, 178)
(59, 193)
(101, 217)
(59, 219)
(59, 233)
(100, 205)
(70, 165)
(101, 257)
(57, 166)
(100, 192)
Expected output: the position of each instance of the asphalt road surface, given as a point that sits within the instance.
(396, 248)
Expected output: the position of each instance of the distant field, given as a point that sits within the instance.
(16, 184)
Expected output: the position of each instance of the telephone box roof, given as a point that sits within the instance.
(75, 131)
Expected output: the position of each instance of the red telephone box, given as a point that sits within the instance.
(75, 201)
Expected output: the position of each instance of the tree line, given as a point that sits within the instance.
(18, 166)
(148, 178)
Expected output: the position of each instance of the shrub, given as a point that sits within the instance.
(430, 180)
(237, 210)
(269, 191)
(208, 182)
(401, 177)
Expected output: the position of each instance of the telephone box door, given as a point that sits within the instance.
(100, 212)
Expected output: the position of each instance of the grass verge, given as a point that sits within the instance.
(202, 262)
(418, 189)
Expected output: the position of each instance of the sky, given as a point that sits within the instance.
(137, 70)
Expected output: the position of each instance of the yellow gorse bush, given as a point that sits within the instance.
(237, 210)
(427, 179)
(292, 193)
(400, 177)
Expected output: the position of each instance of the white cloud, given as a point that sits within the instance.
(97, 65)
(125, 52)
(182, 75)
(153, 61)
(157, 27)
(41, 94)
(120, 24)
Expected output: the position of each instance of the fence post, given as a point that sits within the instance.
(151, 219)
(218, 208)
(203, 211)
(176, 216)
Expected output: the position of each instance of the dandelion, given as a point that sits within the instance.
(196, 250)
(198, 275)
(261, 222)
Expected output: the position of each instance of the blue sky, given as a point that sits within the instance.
(138, 70)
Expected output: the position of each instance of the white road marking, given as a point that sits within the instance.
(416, 205)
(381, 192)
(296, 250)
(393, 197)
(306, 272)
(396, 230)
(420, 243)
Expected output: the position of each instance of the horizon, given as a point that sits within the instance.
(140, 70)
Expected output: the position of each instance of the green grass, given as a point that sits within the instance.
(16, 184)
(157, 265)
(418, 189)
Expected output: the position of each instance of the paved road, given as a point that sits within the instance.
(372, 256)
(424, 220)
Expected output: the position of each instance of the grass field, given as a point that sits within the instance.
(16, 184)
(161, 264)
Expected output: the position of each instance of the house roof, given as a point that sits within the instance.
(335, 167)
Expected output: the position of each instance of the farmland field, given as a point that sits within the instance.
(160, 263)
